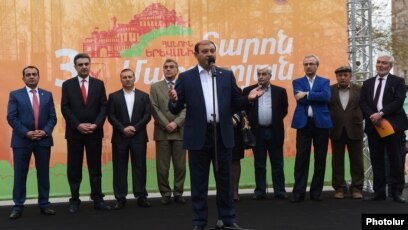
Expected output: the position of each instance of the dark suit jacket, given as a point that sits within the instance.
(350, 118)
(190, 94)
(20, 116)
(393, 101)
(75, 111)
(279, 111)
(318, 98)
(118, 115)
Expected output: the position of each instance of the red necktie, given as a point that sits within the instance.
(171, 85)
(36, 108)
(83, 90)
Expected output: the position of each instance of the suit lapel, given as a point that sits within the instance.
(306, 83)
(352, 95)
(197, 85)
(274, 100)
(163, 89)
(256, 103)
(372, 89)
(219, 80)
(41, 96)
(91, 89)
(77, 87)
(134, 107)
(27, 101)
(336, 97)
(388, 83)
(122, 102)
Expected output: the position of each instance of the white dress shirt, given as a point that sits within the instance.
(30, 94)
(130, 101)
(206, 83)
(86, 83)
(309, 109)
(380, 99)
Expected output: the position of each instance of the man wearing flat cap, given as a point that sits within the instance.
(347, 132)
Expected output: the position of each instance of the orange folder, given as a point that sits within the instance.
(384, 128)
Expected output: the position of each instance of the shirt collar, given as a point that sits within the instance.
(133, 90)
(200, 69)
(168, 82)
(80, 79)
(309, 78)
(338, 86)
(385, 77)
(29, 89)
(267, 88)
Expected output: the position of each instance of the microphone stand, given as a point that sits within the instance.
(214, 123)
(220, 224)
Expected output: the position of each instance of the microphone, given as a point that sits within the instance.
(211, 62)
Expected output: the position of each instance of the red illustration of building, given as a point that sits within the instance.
(123, 36)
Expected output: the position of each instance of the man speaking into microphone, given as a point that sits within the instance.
(194, 91)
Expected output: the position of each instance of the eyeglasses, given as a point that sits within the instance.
(262, 74)
(83, 64)
(169, 67)
(309, 64)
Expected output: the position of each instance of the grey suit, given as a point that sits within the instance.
(347, 131)
(169, 146)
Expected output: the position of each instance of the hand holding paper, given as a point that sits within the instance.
(384, 128)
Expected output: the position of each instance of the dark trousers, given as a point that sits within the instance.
(304, 138)
(355, 152)
(265, 145)
(387, 165)
(391, 146)
(21, 160)
(166, 151)
(93, 148)
(199, 165)
(120, 159)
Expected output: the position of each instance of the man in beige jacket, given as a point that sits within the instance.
(168, 134)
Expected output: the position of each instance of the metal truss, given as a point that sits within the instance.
(360, 49)
(360, 42)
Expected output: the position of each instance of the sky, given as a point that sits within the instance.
(381, 16)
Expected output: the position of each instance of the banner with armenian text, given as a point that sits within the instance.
(141, 34)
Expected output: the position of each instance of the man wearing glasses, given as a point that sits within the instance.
(168, 134)
(312, 121)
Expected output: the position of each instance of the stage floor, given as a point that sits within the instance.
(256, 214)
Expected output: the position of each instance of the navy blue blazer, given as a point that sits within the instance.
(318, 98)
(190, 95)
(20, 116)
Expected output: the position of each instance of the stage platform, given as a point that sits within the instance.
(265, 214)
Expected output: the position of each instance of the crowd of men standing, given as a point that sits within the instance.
(186, 119)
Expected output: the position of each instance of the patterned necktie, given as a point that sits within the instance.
(171, 85)
(378, 92)
(36, 108)
(83, 90)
